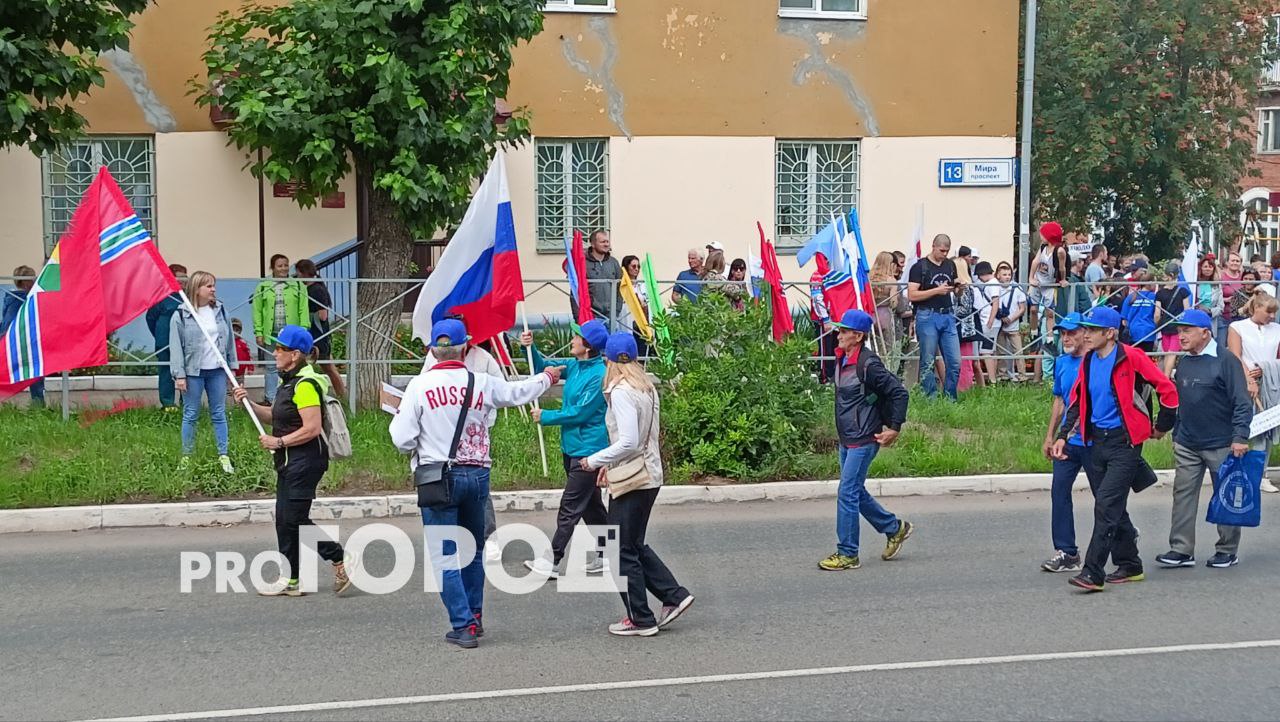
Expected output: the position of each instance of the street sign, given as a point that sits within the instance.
(975, 172)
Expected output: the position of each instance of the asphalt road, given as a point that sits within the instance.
(93, 626)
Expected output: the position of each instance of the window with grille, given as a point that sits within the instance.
(1269, 130)
(829, 9)
(572, 188)
(69, 170)
(814, 181)
(578, 5)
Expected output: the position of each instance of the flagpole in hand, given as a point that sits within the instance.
(542, 441)
(222, 360)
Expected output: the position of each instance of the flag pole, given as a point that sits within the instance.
(221, 359)
(542, 442)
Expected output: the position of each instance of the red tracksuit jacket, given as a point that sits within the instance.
(1130, 364)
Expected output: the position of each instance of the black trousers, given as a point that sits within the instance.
(293, 514)
(580, 500)
(1116, 463)
(638, 563)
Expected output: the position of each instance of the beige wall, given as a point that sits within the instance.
(21, 219)
(207, 210)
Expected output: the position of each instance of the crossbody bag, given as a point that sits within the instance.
(435, 487)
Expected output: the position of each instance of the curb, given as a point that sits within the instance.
(250, 511)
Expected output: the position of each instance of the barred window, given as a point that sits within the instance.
(814, 181)
(824, 9)
(572, 188)
(70, 169)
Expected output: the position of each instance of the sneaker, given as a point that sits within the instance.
(894, 545)
(543, 567)
(1176, 559)
(671, 612)
(839, 562)
(465, 637)
(184, 463)
(1122, 577)
(599, 565)
(1268, 487)
(626, 629)
(282, 590)
(1222, 560)
(227, 468)
(479, 627)
(1085, 583)
(1062, 562)
(342, 574)
(492, 553)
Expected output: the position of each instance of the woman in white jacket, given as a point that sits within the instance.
(631, 466)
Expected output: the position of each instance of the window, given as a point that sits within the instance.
(829, 9)
(69, 170)
(579, 6)
(1269, 130)
(572, 188)
(1272, 74)
(814, 181)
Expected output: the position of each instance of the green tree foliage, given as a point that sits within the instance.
(404, 91)
(48, 58)
(1144, 113)
(736, 404)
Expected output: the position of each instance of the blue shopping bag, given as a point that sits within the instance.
(1237, 489)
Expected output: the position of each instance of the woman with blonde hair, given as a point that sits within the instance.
(196, 366)
(884, 290)
(631, 468)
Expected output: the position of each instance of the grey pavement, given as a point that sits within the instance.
(94, 626)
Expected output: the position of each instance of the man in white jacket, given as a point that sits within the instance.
(425, 426)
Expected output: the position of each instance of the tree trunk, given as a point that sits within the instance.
(385, 254)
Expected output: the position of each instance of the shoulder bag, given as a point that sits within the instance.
(633, 473)
(435, 488)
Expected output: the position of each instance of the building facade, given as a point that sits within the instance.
(672, 124)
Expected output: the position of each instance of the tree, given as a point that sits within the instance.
(404, 91)
(48, 58)
(1144, 114)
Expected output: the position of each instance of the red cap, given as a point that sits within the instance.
(1052, 232)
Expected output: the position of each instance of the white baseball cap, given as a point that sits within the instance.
(716, 246)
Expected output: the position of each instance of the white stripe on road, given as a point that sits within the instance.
(706, 679)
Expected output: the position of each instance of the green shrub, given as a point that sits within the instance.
(735, 403)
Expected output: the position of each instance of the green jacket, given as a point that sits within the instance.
(296, 311)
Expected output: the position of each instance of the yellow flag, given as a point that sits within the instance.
(637, 309)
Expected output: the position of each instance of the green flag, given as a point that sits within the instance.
(658, 316)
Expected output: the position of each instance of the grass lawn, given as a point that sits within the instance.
(132, 456)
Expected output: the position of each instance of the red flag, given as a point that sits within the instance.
(575, 265)
(134, 276)
(782, 323)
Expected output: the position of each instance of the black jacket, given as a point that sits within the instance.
(868, 398)
(1214, 408)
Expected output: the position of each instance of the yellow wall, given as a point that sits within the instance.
(21, 219)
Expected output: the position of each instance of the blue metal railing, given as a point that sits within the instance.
(343, 262)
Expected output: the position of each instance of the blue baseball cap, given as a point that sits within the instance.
(621, 348)
(1196, 318)
(1070, 322)
(594, 333)
(855, 320)
(295, 338)
(1101, 317)
(448, 332)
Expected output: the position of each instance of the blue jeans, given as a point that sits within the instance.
(853, 500)
(1063, 524)
(165, 383)
(936, 331)
(37, 393)
(213, 383)
(462, 591)
(270, 379)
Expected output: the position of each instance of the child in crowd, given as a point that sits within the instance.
(242, 351)
(1139, 312)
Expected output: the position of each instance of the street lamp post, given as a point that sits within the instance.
(1024, 163)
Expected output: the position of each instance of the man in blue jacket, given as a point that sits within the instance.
(871, 407)
(582, 433)
(158, 317)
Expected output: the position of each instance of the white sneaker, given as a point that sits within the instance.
(543, 567)
(598, 565)
(227, 468)
(492, 553)
(1268, 487)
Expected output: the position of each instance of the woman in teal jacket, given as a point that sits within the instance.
(582, 433)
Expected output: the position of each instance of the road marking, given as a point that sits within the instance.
(705, 679)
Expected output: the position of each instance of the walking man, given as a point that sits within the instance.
(443, 421)
(1108, 413)
(1211, 385)
(871, 407)
(929, 287)
(1066, 370)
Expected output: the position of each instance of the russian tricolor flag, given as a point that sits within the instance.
(478, 276)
